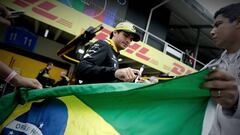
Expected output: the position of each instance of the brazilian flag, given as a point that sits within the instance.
(173, 107)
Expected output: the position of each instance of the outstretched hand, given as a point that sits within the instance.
(223, 88)
(26, 82)
(126, 74)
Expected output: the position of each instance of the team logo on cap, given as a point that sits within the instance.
(133, 28)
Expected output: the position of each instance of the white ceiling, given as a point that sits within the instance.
(213, 5)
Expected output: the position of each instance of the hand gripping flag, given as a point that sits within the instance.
(170, 107)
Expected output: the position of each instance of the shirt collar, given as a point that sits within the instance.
(234, 56)
(110, 41)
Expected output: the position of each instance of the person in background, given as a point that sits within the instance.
(63, 81)
(100, 62)
(6, 73)
(43, 76)
(188, 57)
(4, 14)
(224, 81)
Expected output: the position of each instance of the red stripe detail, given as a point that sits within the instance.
(129, 51)
(20, 3)
(47, 6)
(101, 36)
(32, 1)
(177, 69)
(106, 31)
(144, 50)
(134, 46)
(142, 56)
(99, 17)
(142, 53)
(45, 14)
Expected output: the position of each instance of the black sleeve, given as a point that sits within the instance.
(92, 64)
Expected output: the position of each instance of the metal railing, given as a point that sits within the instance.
(181, 55)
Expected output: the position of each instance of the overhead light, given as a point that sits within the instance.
(46, 32)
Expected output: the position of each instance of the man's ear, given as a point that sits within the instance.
(115, 32)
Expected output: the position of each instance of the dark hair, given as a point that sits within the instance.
(232, 12)
(111, 35)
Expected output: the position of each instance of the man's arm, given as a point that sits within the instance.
(92, 64)
(16, 79)
(91, 67)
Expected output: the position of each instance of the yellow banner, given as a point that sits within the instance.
(67, 19)
(53, 13)
(156, 59)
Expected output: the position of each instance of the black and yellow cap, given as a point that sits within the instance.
(128, 27)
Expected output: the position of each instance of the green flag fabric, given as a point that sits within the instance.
(170, 107)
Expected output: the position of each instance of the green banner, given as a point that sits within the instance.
(170, 107)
